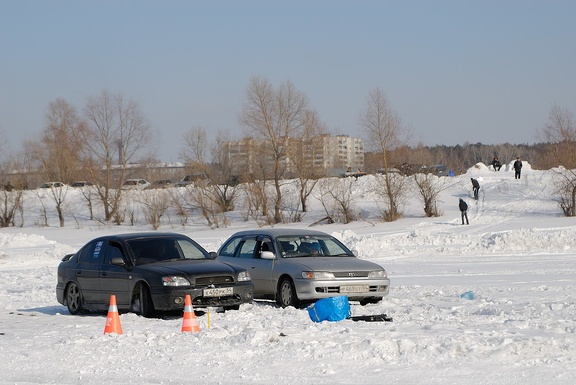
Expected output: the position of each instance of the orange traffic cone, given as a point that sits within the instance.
(189, 323)
(113, 319)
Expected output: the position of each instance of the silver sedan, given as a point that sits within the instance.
(296, 267)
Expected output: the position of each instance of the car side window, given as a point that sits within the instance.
(230, 247)
(114, 250)
(92, 253)
(247, 249)
(266, 245)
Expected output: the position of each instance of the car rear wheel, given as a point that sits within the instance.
(142, 302)
(286, 295)
(73, 298)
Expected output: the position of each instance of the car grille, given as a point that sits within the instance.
(218, 280)
(351, 274)
(217, 301)
(336, 289)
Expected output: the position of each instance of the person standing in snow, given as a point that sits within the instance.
(517, 168)
(463, 210)
(475, 187)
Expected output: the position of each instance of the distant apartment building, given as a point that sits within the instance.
(324, 155)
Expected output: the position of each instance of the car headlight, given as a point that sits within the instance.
(317, 275)
(378, 274)
(244, 276)
(175, 280)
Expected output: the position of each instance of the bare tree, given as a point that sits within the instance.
(297, 151)
(223, 188)
(57, 151)
(337, 198)
(385, 133)
(559, 133)
(11, 188)
(117, 134)
(429, 186)
(565, 183)
(56, 194)
(195, 149)
(214, 196)
(275, 116)
(11, 201)
(154, 204)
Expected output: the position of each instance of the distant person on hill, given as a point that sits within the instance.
(475, 187)
(517, 168)
(463, 210)
(496, 164)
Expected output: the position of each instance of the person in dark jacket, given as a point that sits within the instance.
(463, 210)
(517, 168)
(475, 187)
(496, 164)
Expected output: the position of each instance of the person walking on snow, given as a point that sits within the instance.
(464, 210)
(517, 168)
(475, 187)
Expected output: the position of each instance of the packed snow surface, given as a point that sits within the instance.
(516, 260)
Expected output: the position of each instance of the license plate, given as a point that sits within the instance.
(354, 289)
(218, 291)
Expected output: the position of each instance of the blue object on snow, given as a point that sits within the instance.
(467, 295)
(330, 309)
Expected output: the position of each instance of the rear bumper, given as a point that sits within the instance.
(173, 299)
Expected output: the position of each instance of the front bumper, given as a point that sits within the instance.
(310, 289)
(172, 298)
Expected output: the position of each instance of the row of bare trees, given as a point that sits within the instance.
(97, 144)
(110, 132)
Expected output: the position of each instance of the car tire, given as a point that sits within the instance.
(73, 298)
(142, 302)
(286, 294)
(233, 307)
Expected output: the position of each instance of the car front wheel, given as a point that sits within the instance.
(73, 298)
(142, 302)
(286, 295)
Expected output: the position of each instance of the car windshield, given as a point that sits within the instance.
(307, 245)
(151, 250)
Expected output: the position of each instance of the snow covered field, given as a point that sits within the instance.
(517, 256)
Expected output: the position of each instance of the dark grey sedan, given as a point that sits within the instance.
(295, 267)
(149, 272)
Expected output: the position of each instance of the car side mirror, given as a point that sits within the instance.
(213, 254)
(117, 261)
(355, 252)
(267, 255)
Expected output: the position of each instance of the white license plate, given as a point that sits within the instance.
(354, 289)
(218, 291)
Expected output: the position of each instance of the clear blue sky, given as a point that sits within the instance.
(455, 71)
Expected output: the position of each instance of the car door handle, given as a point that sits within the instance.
(103, 274)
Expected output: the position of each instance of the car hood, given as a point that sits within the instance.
(201, 267)
(334, 263)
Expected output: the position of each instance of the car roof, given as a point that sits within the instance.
(276, 232)
(145, 234)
